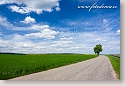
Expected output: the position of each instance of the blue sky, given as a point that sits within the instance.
(59, 26)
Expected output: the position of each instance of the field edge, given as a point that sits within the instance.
(115, 64)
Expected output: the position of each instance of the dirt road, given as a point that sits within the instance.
(94, 69)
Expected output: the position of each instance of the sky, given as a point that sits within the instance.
(59, 26)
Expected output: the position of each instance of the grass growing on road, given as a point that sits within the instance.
(115, 63)
(14, 65)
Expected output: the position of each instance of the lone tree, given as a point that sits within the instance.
(98, 48)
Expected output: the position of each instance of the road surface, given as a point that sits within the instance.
(98, 68)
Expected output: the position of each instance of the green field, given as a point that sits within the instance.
(115, 63)
(14, 65)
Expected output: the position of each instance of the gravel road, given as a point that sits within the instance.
(98, 68)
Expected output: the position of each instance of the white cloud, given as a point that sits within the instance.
(39, 27)
(72, 43)
(118, 31)
(108, 29)
(99, 39)
(66, 39)
(16, 45)
(18, 9)
(33, 27)
(18, 38)
(63, 42)
(114, 43)
(28, 19)
(33, 5)
(4, 22)
(75, 42)
(85, 41)
(5, 1)
(57, 9)
(46, 33)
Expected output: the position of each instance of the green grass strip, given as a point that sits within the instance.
(115, 63)
(14, 65)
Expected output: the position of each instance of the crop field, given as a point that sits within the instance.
(14, 65)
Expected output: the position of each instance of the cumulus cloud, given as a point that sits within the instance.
(78, 42)
(33, 5)
(17, 9)
(46, 33)
(28, 19)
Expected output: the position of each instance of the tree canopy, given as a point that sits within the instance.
(98, 48)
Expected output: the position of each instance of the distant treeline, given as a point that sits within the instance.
(13, 53)
(115, 55)
(45, 53)
(61, 53)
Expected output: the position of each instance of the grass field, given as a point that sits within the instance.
(14, 65)
(115, 63)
